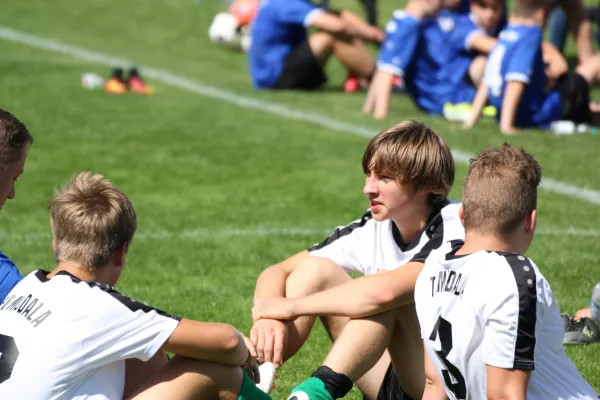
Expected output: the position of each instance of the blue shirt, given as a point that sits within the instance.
(518, 57)
(418, 51)
(9, 276)
(278, 28)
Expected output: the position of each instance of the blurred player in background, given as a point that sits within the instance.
(14, 143)
(283, 55)
(489, 320)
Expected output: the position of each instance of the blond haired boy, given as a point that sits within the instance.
(489, 320)
(409, 171)
(69, 334)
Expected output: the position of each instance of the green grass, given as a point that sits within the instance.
(189, 162)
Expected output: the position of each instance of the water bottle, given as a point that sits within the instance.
(595, 303)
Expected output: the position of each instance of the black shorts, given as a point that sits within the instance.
(301, 70)
(575, 98)
(390, 387)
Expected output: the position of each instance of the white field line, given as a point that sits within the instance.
(199, 234)
(582, 193)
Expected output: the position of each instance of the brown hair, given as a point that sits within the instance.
(500, 189)
(14, 138)
(91, 220)
(414, 155)
(526, 8)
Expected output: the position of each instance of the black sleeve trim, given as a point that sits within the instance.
(524, 274)
(342, 231)
(137, 306)
(436, 239)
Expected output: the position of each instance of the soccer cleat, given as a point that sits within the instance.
(310, 389)
(490, 111)
(352, 84)
(136, 84)
(115, 84)
(267, 377)
(580, 331)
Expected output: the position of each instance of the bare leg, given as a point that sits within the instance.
(353, 54)
(590, 69)
(185, 378)
(321, 45)
(364, 341)
(137, 372)
(406, 350)
(311, 276)
(477, 69)
(360, 352)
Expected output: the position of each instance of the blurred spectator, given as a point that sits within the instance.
(571, 14)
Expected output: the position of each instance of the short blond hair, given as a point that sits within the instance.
(91, 220)
(500, 189)
(414, 155)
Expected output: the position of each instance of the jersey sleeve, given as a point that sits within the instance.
(462, 35)
(298, 12)
(401, 39)
(343, 245)
(9, 277)
(510, 318)
(521, 62)
(126, 329)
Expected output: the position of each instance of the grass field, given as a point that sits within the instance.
(223, 185)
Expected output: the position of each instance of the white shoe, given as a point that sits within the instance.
(267, 377)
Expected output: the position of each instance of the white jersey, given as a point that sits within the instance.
(63, 338)
(367, 245)
(495, 309)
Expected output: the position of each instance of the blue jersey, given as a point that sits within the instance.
(460, 31)
(278, 28)
(518, 57)
(417, 51)
(9, 276)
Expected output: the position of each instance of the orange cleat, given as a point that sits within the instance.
(115, 84)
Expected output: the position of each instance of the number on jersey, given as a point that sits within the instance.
(493, 76)
(453, 379)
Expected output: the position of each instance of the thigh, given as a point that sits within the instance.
(406, 351)
(186, 378)
(137, 371)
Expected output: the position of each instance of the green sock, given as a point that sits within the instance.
(314, 388)
(250, 391)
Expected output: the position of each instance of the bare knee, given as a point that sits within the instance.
(321, 44)
(314, 275)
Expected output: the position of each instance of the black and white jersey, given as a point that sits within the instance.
(495, 309)
(367, 245)
(63, 338)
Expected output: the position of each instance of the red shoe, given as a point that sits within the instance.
(352, 84)
(136, 84)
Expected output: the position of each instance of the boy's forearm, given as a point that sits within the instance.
(479, 103)
(216, 342)
(383, 89)
(363, 296)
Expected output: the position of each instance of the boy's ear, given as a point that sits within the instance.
(531, 221)
(461, 215)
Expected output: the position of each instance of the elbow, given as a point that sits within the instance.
(233, 345)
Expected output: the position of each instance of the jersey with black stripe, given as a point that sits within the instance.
(367, 245)
(63, 338)
(497, 309)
